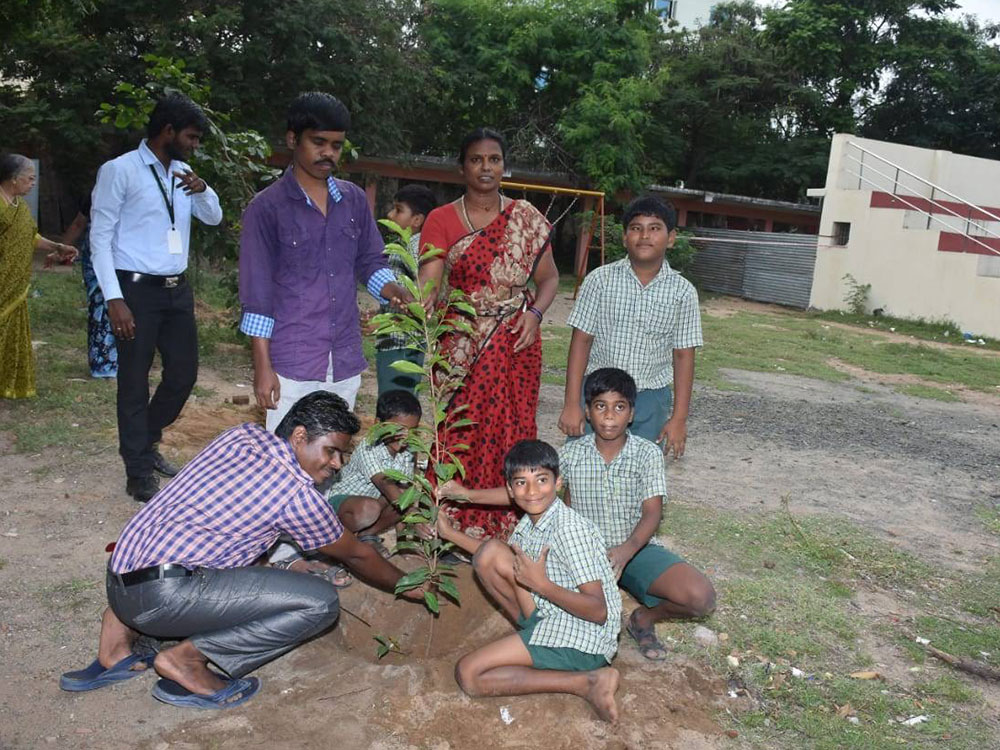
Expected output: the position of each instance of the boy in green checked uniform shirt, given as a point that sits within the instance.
(555, 582)
(642, 316)
(364, 497)
(616, 479)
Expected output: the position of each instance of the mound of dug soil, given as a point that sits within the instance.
(334, 692)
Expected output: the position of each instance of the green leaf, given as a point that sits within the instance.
(464, 307)
(403, 365)
(445, 472)
(408, 498)
(412, 579)
(431, 601)
(416, 518)
(448, 587)
(416, 547)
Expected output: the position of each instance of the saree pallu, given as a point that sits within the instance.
(17, 242)
(500, 388)
(102, 351)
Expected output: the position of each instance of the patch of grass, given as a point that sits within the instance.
(919, 390)
(941, 330)
(803, 713)
(784, 586)
(948, 688)
(837, 550)
(989, 515)
(70, 403)
(801, 344)
(555, 346)
(978, 594)
(964, 640)
(3, 563)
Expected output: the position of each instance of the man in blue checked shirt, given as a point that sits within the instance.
(307, 241)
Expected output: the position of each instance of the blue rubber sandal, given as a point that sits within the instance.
(95, 676)
(233, 694)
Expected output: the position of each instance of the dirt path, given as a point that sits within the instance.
(912, 470)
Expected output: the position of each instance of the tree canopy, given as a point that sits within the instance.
(602, 89)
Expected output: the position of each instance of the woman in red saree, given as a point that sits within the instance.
(495, 246)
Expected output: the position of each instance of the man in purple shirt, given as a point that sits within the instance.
(307, 241)
(183, 566)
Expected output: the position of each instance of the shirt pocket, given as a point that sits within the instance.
(293, 242)
(659, 317)
(347, 239)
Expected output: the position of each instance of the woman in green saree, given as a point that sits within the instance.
(18, 240)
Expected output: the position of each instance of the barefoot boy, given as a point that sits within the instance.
(640, 315)
(555, 582)
(365, 497)
(616, 479)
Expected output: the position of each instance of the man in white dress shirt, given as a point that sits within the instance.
(140, 227)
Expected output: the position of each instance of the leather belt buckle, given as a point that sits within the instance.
(171, 281)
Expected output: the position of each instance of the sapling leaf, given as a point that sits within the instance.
(431, 601)
(403, 365)
(408, 498)
(448, 587)
(412, 579)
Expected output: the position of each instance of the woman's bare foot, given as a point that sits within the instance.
(601, 694)
(115, 642)
(185, 665)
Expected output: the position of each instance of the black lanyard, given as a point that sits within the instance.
(163, 192)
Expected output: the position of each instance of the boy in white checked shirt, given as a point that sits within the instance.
(364, 497)
(616, 479)
(555, 582)
(642, 316)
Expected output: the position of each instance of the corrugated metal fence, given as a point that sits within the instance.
(762, 266)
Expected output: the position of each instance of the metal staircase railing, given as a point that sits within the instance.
(931, 217)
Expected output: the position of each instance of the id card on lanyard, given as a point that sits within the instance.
(174, 246)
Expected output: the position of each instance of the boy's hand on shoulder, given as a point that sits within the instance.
(673, 436)
(619, 557)
(530, 573)
(571, 420)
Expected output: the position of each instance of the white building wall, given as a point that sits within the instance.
(892, 249)
(693, 13)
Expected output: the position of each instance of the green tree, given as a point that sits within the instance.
(944, 91)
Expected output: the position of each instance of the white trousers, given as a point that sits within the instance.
(292, 391)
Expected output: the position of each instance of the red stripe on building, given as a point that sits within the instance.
(953, 242)
(948, 208)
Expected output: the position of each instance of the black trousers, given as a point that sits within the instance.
(164, 322)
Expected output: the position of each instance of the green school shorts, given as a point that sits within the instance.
(647, 565)
(549, 657)
(337, 500)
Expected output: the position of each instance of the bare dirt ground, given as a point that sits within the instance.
(912, 470)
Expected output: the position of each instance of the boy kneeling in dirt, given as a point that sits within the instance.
(555, 582)
(616, 479)
(365, 497)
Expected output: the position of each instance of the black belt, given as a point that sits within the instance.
(154, 573)
(148, 279)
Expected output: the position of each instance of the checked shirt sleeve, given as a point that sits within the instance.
(688, 330)
(654, 477)
(586, 310)
(255, 324)
(582, 551)
(378, 280)
(310, 520)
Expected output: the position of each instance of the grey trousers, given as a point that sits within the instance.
(238, 618)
